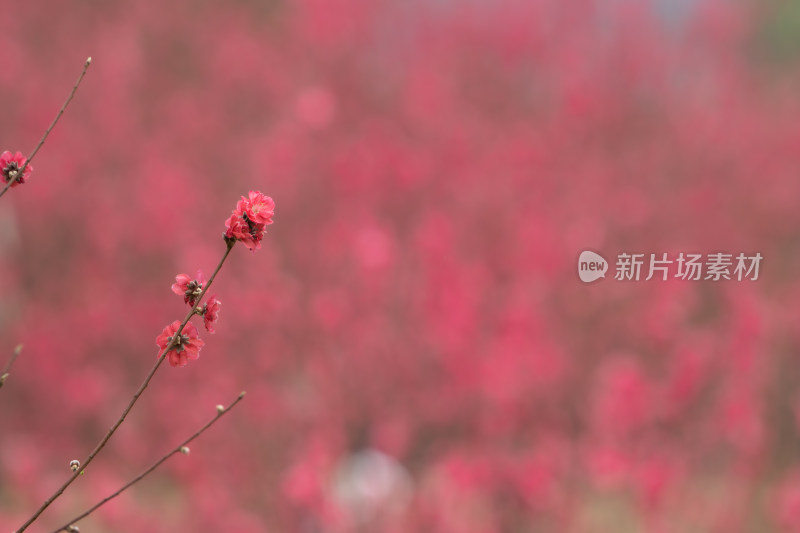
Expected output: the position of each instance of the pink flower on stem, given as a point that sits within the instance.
(188, 287)
(185, 349)
(248, 222)
(211, 313)
(239, 230)
(10, 166)
(258, 208)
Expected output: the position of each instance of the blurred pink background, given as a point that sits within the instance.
(418, 351)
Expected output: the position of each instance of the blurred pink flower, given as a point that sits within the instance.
(188, 287)
(186, 349)
(211, 313)
(316, 107)
(10, 165)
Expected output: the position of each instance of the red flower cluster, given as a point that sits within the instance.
(10, 166)
(186, 349)
(248, 222)
(188, 287)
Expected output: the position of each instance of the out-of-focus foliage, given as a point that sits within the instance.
(418, 351)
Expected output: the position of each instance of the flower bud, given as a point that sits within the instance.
(185, 450)
(74, 465)
(220, 408)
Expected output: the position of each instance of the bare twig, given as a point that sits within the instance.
(139, 391)
(5, 371)
(180, 448)
(52, 125)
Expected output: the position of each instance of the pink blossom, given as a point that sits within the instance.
(258, 208)
(186, 349)
(248, 222)
(10, 165)
(211, 313)
(188, 287)
(238, 229)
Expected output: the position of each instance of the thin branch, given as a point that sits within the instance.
(180, 448)
(139, 391)
(4, 374)
(52, 125)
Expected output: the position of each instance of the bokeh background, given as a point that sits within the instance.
(418, 351)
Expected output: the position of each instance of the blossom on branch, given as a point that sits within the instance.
(188, 287)
(257, 207)
(186, 348)
(211, 313)
(248, 222)
(10, 166)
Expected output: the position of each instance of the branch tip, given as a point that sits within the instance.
(181, 448)
(29, 159)
(7, 369)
